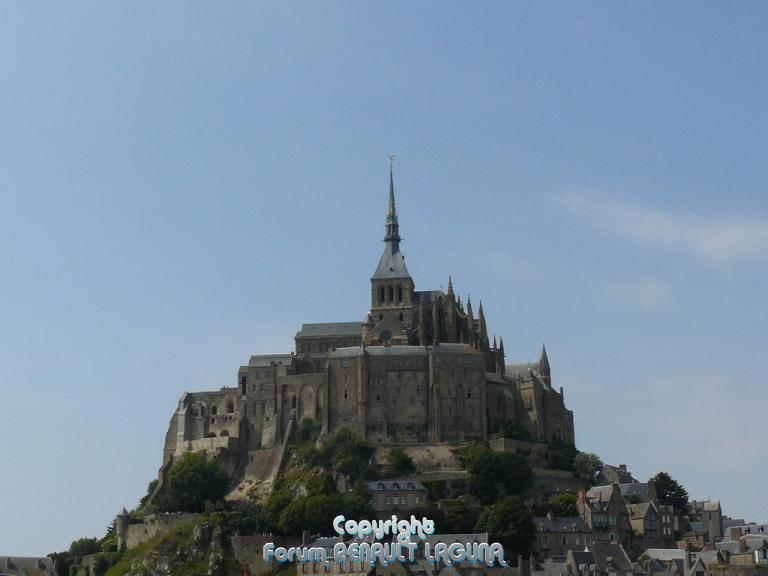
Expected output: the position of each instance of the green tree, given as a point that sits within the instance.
(561, 455)
(586, 466)
(193, 481)
(398, 463)
(491, 472)
(669, 491)
(509, 522)
(348, 454)
(514, 430)
(83, 547)
(564, 504)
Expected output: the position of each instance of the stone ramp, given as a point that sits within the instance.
(259, 472)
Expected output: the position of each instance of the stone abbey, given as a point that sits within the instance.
(418, 370)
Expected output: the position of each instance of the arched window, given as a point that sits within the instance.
(293, 402)
(230, 407)
(224, 433)
(399, 294)
(391, 294)
(214, 410)
(345, 392)
(381, 295)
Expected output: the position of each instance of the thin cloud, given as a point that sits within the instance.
(649, 294)
(714, 239)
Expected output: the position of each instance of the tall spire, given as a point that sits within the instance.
(392, 228)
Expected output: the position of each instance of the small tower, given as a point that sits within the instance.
(122, 522)
(544, 366)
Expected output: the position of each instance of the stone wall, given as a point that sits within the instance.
(153, 525)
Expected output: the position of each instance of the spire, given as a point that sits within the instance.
(494, 342)
(450, 286)
(544, 361)
(483, 328)
(544, 371)
(501, 345)
(392, 228)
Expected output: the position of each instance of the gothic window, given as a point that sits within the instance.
(391, 294)
(399, 295)
(263, 408)
(293, 402)
(381, 295)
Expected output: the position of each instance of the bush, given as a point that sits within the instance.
(398, 463)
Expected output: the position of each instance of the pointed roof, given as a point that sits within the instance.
(544, 360)
(392, 262)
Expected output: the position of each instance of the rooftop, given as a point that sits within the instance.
(330, 329)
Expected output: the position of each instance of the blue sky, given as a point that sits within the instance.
(183, 184)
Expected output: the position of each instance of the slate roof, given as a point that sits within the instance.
(560, 524)
(268, 359)
(454, 348)
(666, 554)
(395, 485)
(521, 369)
(330, 329)
(583, 557)
(391, 264)
(619, 560)
(397, 350)
(639, 489)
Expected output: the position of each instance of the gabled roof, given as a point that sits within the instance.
(640, 511)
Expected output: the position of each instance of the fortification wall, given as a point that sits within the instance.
(155, 525)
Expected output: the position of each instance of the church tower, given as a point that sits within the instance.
(391, 285)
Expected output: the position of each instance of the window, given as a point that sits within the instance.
(214, 410)
(401, 316)
(230, 407)
(391, 294)
(399, 295)
(345, 392)
(381, 295)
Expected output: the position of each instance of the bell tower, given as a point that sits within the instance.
(391, 284)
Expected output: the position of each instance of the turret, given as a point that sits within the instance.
(122, 522)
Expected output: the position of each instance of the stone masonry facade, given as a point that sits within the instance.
(418, 369)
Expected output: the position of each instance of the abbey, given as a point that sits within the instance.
(418, 369)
